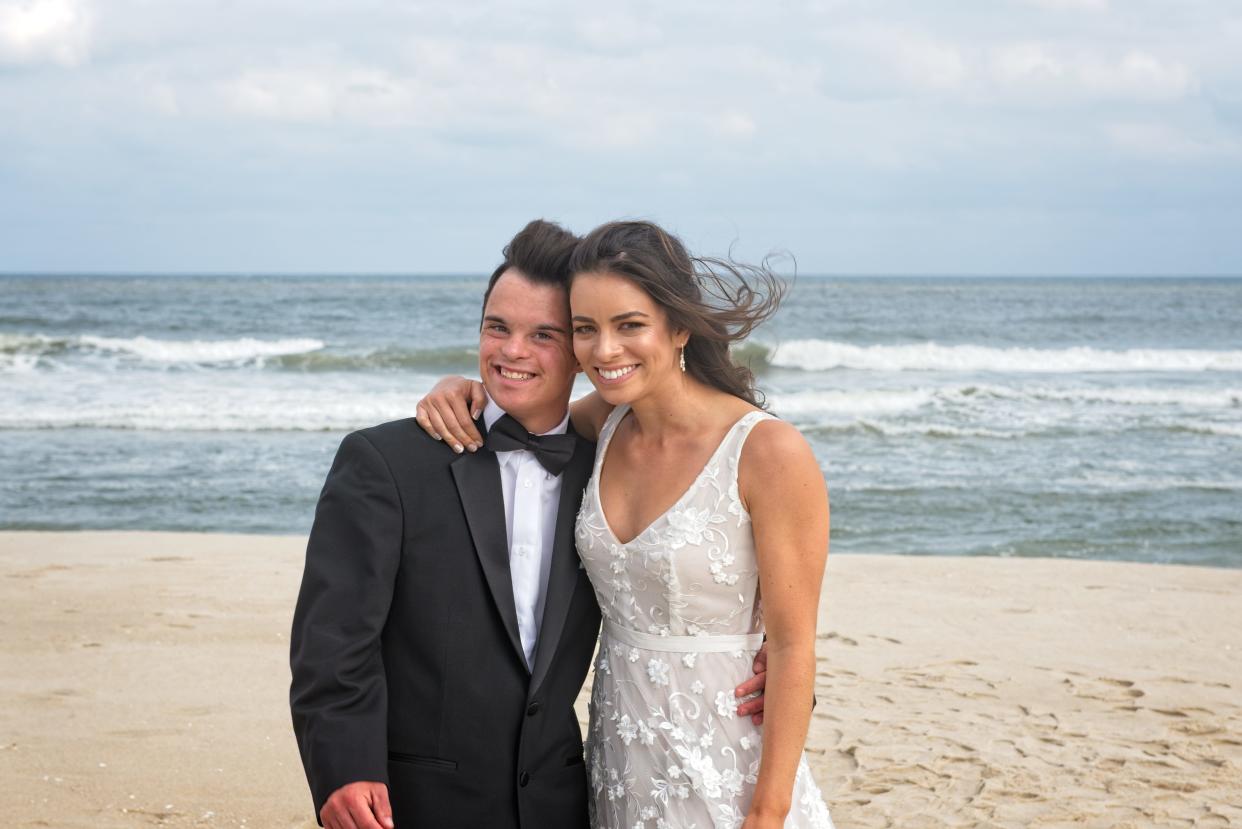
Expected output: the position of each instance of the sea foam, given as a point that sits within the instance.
(23, 352)
(28, 352)
(823, 355)
(200, 351)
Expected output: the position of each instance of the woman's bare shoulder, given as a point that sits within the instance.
(775, 440)
(775, 448)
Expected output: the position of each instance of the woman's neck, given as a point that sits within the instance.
(674, 410)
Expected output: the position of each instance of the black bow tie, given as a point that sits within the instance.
(552, 451)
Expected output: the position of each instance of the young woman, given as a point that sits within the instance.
(704, 525)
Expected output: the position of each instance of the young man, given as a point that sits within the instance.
(444, 626)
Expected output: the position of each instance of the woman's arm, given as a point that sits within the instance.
(450, 409)
(783, 489)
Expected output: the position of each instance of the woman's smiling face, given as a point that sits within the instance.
(622, 338)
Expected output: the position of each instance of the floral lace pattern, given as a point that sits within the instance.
(665, 747)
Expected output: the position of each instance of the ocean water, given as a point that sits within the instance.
(1078, 418)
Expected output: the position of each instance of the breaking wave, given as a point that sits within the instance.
(824, 355)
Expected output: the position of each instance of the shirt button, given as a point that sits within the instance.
(523, 779)
(527, 483)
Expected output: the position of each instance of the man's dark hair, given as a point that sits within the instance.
(541, 252)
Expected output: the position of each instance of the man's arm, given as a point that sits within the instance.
(339, 696)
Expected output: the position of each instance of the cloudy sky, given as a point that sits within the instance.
(878, 136)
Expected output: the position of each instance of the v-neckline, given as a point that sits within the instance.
(599, 478)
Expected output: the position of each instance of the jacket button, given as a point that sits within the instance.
(532, 709)
(523, 779)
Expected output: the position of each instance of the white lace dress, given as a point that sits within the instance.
(682, 623)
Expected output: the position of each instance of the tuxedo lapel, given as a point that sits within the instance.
(563, 572)
(477, 475)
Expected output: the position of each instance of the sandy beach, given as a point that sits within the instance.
(145, 683)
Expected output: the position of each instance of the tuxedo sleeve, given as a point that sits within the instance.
(338, 695)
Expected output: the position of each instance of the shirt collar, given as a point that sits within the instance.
(493, 412)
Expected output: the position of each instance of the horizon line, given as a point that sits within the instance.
(484, 274)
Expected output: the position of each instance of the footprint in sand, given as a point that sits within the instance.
(38, 571)
(145, 732)
(1106, 689)
(1196, 729)
(1126, 685)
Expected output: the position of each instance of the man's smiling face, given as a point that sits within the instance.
(525, 355)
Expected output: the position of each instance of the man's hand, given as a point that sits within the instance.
(753, 708)
(449, 410)
(361, 805)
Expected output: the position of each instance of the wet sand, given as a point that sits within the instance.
(146, 675)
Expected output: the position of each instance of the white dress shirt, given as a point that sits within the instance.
(532, 495)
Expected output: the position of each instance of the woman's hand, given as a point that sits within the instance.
(763, 821)
(449, 410)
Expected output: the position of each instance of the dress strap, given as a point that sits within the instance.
(742, 431)
(610, 422)
(605, 435)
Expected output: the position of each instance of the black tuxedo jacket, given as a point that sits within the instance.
(406, 660)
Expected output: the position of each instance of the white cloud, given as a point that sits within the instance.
(1069, 5)
(499, 92)
(693, 109)
(45, 31)
(1170, 143)
(880, 61)
(734, 124)
(162, 97)
(618, 31)
(1140, 75)
(929, 64)
(1059, 73)
(321, 93)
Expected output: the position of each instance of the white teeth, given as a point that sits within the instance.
(515, 375)
(616, 375)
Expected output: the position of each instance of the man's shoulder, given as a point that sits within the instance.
(404, 439)
(582, 441)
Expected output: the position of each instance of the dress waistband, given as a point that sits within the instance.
(709, 643)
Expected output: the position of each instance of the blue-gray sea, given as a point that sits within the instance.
(1094, 418)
